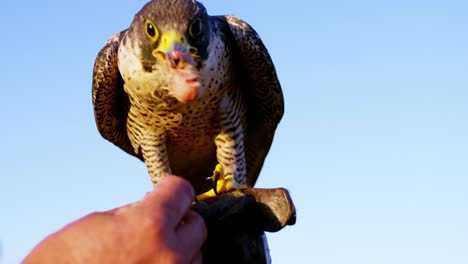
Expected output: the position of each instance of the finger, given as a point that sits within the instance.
(198, 259)
(191, 233)
(122, 209)
(171, 198)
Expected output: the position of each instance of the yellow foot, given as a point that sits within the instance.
(222, 183)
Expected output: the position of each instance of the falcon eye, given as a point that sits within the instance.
(196, 28)
(151, 30)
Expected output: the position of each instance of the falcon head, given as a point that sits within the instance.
(168, 40)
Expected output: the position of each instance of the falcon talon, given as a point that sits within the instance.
(214, 178)
(217, 173)
(215, 187)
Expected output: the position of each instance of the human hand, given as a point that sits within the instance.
(160, 228)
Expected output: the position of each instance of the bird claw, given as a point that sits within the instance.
(217, 173)
(221, 183)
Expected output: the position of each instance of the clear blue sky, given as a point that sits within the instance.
(373, 145)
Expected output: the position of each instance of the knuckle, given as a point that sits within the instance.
(188, 190)
(184, 187)
(175, 257)
(152, 224)
(168, 209)
(198, 224)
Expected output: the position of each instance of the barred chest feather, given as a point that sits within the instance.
(191, 126)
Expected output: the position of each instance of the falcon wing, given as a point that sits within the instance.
(262, 93)
(109, 98)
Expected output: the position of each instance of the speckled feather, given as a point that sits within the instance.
(232, 122)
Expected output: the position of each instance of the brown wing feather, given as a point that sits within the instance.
(109, 98)
(262, 91)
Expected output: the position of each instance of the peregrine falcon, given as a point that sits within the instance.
(184, 91)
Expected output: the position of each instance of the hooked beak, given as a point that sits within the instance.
(176, 53)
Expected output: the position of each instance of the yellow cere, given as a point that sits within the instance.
(169, 38)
